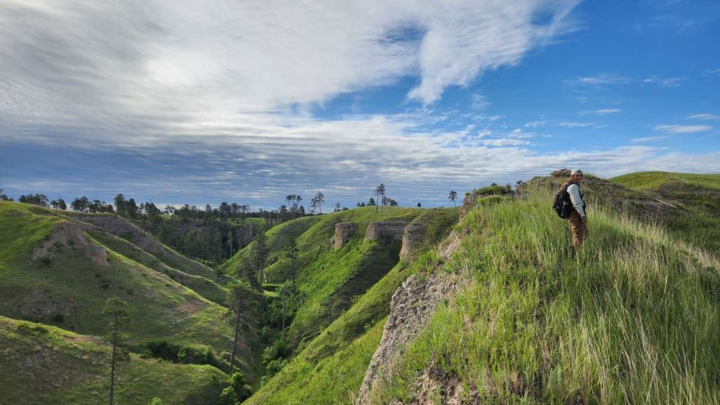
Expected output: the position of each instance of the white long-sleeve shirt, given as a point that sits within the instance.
(576, 199)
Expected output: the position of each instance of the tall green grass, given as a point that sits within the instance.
(634, 318)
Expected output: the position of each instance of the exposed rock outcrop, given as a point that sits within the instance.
(70, 235)
(561, 173)
(467, 205)
(393, 230)
(412, 237)
(39, 304)
(412, 306)
(343, 232)
(123, 229)
(433, 386)
(492, 193)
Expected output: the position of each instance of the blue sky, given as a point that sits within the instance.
(249, 102)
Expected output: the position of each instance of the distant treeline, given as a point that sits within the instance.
(210, 234)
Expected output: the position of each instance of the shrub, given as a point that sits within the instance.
(35, 330)
(162, 349)
(275, 351)
(227, 397)
(156, 401)
(239, 383)
(275, 366)
(237, 380)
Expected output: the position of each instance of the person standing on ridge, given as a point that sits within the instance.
(577, 218)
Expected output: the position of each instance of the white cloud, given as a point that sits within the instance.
(683, 129)
(601, 111)
(504, 142)
(229, 91)
(649, 139)
(564, 124)
(601, 79)
(478, 102)
(575, 124)
(667, 82)
(704, 117)
(88, 61)
(711, 72)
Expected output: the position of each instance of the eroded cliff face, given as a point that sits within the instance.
(392, 230)
(412, 237)
(343, 232)
(70, 236)
(123, 229)
(412, 305)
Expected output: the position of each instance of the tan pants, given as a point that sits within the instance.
(579, 229)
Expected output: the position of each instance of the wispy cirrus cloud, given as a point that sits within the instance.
(683, 129)
(566, 124)
(478, 102)
(664, 82)
(563, 124)
(704, 117)
(650, 139)
(602, 111)
(536, 124)
(601, 79)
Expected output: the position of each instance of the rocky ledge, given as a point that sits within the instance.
(343, 232)
(392, 230)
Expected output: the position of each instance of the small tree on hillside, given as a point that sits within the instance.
(319, 200)
(259, 255)
(218, 273)
(239, 303)
(230, 242)
(419, 205)
(120, 204)
(81, 204)
(379, 195)
(293, 254)
(115, 309)
(4, 197)
(452, 197)
(61, 204)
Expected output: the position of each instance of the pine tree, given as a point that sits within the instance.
(260, 254)
(114, 308)
(239, 303)
(452, 197)
(379, 193)
(293, 254)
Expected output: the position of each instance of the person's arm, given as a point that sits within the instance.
(577, 202)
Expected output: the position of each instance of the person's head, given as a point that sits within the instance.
(576, 175)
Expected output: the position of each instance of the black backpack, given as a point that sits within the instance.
(562, 204)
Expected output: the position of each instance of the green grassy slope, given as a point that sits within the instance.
(331, 368)
(42, 364)
(69, 290)
(653, 180)
(134, 234)
(208, 289)
(329, 279)
(277, 239)
(634, 318)
(695, 200)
